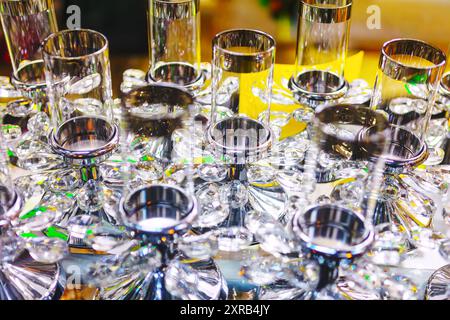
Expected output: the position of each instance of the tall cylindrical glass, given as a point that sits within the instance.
(26, 23)
(322, 44)
(174, 42)
(78, 75)
(243, 64)
(408, 78)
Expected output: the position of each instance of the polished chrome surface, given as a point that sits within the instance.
(314, 88)
(83, 139)
(11, 203)
(399, 70)
(438, 287)
(256, 55)
(333, 232)
(26, 279)
(242, 140)
(158, 209)
(325, 11)
(405, 150)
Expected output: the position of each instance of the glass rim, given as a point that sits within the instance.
(68, 31)
(364, 240)
(335, 7)
(379, 127)
(182, 224)
(268, 37)
(388, 56)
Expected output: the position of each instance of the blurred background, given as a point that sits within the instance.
(125, 24)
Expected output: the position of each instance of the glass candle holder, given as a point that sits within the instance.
(78, 76)
(407, 82)
(243, 64)
(174, 42)
(159, 218)
(157, 132)
(322, 44)
(334, 221)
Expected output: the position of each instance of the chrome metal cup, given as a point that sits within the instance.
(241, 140)
(157, 215)
(158, 211)
(85, 141)
(331, 233)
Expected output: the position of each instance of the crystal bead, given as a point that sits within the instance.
(11, 132)
(444, 250)
(39, 124)
(427, 238)
(292, 179)
(254, 220)
(260, 174)
(233, 239)
(83, 225)
(327, 161)
(84, 85)
(388, 247)
(199, 247)
(133, 74)
(90, 197)
(150, 170)
(142, 261)
(276, 118)
(11, 247)
(262, 271)
(303, 115)
(350, 193)
(31, 186)
(102, 273)
(63, 181)
(212, 172)
(37, 219)
(28, 147)
(181, 280)
(47, 250)
(302, 274)
(88, 106)
(235, 194)
(106, 239)
(63, 202)
(275, 240)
